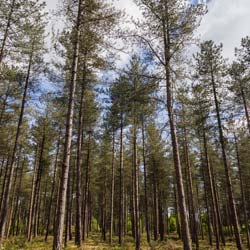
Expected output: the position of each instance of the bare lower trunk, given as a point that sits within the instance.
(191, 192)
(121, 183)
(177, 164)
(145, 182)
(32, 197)
(52, 190)
(78, 234)
(58, 234)
(85, 225)
(227, 169)
(112, 189)
(212, 191)
(136, 189)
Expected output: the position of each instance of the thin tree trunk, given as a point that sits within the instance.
(58, 234)
(121, 183)
(17, 198)
(211, 189)
(6, 197)
(85, 225)
(32, 197)
(242, 190)
(52, 189)
(78, 234)
(112, 189)
(191, 192)
(136, 188)
(145, 181)
(36, 195)
(227, 169)
(177, 164)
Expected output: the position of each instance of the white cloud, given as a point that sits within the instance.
(226, 22)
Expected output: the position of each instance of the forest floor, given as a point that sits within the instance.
(94, 243)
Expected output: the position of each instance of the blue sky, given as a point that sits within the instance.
(227, 21)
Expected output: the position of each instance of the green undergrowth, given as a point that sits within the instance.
(94, 243)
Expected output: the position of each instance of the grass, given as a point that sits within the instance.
(94, 243)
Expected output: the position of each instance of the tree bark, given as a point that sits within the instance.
(121, 212)
(136, 187)
(145, 181)
(52, 188)
(85, 225)
(177, 164)
(58, 234)
(112, 189)
(78, 233)
(226, 167)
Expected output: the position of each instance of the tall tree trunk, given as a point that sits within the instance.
(155, 203)
(112, 189)
(104, 206)
(6, 198)
(16, 206)
(136, 187)
(145, 182)
(210, 237)
(36, 195)
(85, 225)
(121, 182)
(211, 189)
(227, 168)
(177, 164)
(32, 196)
(242, 190)
(78, 233)
(13, 191)
(58, 234)
(52, 188)
(191, 191)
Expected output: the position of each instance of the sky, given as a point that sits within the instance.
(227, 21)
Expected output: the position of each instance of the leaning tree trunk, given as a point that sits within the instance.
(226, 167)
(6, 198)
(58, 234)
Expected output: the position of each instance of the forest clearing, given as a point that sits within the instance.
(124, 124)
